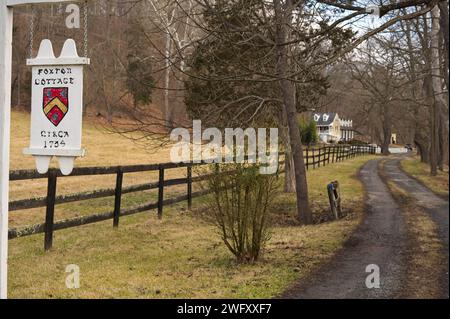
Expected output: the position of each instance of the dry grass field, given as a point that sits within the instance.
(438, 184)
(180, 256)
(103, 149)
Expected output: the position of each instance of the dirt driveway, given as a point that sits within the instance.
(436, 206)
(380, 240)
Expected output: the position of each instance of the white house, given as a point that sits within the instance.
(332, 129)
(347, 132)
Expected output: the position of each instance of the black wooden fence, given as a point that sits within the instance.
(321, 156)
(314, 157)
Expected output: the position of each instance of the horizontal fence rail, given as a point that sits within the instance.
(314, 157)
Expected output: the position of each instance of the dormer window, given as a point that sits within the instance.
(316, 117)
(326, 117)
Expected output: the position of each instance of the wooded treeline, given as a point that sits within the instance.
(124, 42)
(397, 82)
(250, 63)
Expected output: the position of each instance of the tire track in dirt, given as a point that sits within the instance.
(434, 205)
(380, 239)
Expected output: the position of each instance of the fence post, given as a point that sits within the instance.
(189, 186)
(50, 210)
(318, 164)
(324, 155)
(332, 148)
(160, 192)
(314, 157)
(307, 158)
(118, 197)
(329, 154)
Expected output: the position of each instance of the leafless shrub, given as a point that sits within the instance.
(239, 206)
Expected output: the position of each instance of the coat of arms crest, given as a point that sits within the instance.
(56, 104)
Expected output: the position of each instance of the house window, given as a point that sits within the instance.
(323, 129)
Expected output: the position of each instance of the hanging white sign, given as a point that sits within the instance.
(56, 106)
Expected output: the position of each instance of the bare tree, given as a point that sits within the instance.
(282, 28)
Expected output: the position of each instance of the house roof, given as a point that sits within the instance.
(324, 119)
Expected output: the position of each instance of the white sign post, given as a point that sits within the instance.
(6, 27)
(56, 106)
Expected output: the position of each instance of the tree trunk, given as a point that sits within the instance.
(387, 130)
(441, 146)
(444, 123)
(289, 171)
(443, 138)
(423, 150)
(444, 28)
(437, 89)
(167, 114)
(283, 21)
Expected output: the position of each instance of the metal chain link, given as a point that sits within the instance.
(33, 11)
(86, 29)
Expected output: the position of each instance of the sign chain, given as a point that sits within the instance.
(86, 29)
(33, 11)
